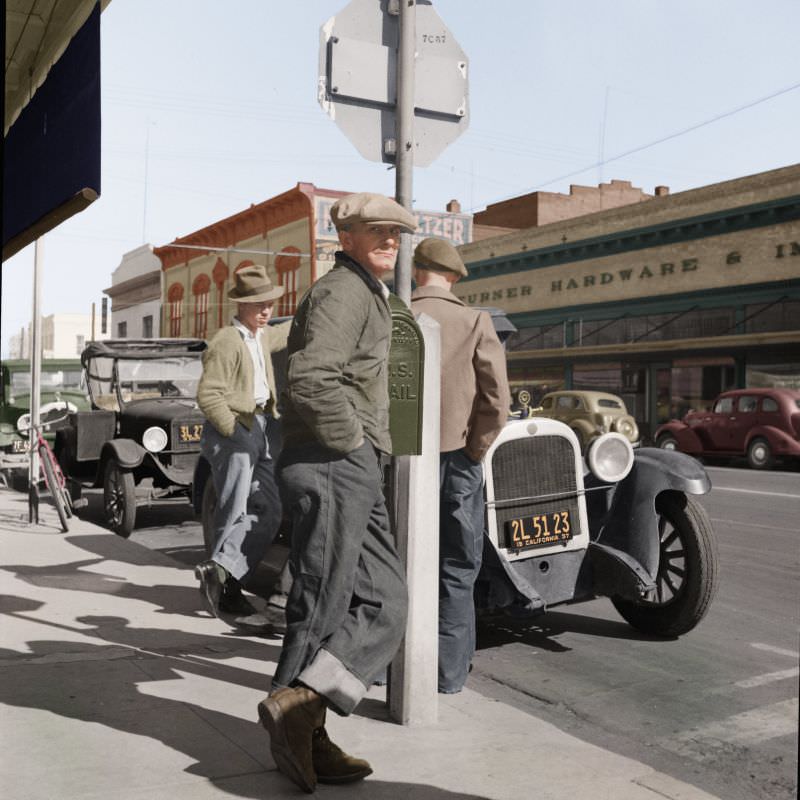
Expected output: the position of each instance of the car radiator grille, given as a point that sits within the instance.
(534, 475)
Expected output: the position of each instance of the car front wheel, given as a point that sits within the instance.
(687, 571)
(119, 498)
(667, 442)
(759, 454)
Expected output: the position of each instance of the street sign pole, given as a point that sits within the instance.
(404, 163)
(36, 372)
(394, 79)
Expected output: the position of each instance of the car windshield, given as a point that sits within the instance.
(606, 403)
(172, 376)
(62, 379)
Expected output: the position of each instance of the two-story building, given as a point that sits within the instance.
(292, 234)
(663, 300)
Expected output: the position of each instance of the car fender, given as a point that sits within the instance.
(126, 452)
(779, 440)
(687, 438)
(631, 522)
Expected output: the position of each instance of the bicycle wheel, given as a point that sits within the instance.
(55, 488)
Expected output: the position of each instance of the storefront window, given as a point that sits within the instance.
(780, 316)
(694, 385)
(779, 375)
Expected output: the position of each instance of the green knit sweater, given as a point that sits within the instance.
(225, 394)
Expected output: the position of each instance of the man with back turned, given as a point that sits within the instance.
(475, 404)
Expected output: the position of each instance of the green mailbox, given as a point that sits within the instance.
(406, 362)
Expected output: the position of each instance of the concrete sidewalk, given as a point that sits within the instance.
(115, 684)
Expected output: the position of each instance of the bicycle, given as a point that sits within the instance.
(49, 470)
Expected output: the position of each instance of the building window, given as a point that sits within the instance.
(287, 265)
(201, 289)
(175, 309)
(122, 330)
(147, 327)
(219, 275)
(80, 343)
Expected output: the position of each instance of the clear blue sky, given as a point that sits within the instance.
(226, 94)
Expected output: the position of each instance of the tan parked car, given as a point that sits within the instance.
(589, 414)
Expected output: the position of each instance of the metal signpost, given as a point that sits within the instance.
(394, 79)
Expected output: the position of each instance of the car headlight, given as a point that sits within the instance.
(154, 439)
(627, 427)
(610, 457)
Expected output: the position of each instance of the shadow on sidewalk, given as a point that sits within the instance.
(106, 684)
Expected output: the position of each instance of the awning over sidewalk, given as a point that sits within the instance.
(52, 115)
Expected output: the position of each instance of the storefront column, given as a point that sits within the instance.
(740, 372)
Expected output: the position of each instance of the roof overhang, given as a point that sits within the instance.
(52, 115)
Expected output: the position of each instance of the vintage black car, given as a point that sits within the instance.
(622, 524)
(60, 388)
(141, 439)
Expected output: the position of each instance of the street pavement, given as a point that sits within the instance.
(114, 682)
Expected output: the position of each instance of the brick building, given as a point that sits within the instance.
(292, 234)
(665, 300)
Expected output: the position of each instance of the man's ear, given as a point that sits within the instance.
(344, 239)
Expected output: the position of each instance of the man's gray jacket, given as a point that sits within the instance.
(337, 388)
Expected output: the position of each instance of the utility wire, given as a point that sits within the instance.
(663, 139)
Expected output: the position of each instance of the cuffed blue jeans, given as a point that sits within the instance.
(346, 612)
(248, 512)
(460, 553)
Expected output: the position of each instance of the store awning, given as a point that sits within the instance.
(51, 154)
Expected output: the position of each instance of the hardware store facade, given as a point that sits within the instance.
(665, 302)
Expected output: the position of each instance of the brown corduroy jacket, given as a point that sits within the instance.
(475, 395)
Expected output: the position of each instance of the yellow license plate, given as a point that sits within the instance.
(190, 433)
(538, 529)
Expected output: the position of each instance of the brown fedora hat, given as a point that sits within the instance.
(254, 286)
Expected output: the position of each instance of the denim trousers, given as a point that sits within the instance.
(248, 512)
(461, 522)
(346, 612)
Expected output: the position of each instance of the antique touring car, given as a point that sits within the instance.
(141, 439)
(623, 525)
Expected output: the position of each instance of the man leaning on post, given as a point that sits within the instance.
(346, 611)
(475, 404)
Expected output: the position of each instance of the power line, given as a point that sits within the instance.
(663, 139)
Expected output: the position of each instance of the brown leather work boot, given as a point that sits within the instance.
(291, 716)
(332, 764)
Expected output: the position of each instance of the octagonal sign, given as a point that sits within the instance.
(358, 79)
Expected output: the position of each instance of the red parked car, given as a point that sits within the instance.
(762, 424)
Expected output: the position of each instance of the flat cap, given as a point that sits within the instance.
(369, 207)
(440, 256)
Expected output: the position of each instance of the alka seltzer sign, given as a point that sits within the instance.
(570, 284)
(456, 228)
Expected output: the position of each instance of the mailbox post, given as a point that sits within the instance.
(406, 381)
(414, 387)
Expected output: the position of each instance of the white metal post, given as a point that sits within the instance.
(404, 162)
(36, 371)
(413, 693)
